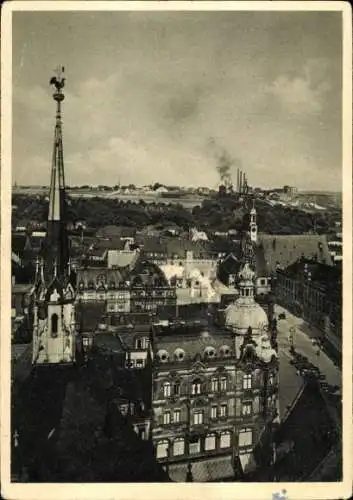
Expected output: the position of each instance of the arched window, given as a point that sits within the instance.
(162, 448)
(214, 384)
(225, 439)
(54, 325)
(166, 389)
(178, 447)
(196, 386)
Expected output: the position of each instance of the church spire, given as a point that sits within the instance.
(57, 240)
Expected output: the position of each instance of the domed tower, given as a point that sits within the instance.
(257, 406)
(245, 312)
(54, 321)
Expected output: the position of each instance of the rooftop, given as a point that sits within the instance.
(283, 250)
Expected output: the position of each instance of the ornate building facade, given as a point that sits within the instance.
(215, 390)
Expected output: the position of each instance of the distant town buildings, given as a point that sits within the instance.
(313, 290)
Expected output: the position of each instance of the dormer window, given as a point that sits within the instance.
(179, 354)
(210, 352)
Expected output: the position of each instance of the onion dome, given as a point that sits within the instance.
(240, 315)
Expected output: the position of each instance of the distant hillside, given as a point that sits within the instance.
(215, 214)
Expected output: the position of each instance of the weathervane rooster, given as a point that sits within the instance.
(58, 81)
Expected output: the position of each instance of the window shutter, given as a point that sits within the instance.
(256, 404)
(239, 380)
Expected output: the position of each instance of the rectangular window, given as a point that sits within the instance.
(223, 410)
(213, 412)
(225, 440)
(247, 408)
(247, 381)
(139, 363)
(176, 389)
(198, 417)
(178, 447)
(196, 388)
(214, 385)
(245, 437)
(210, 442)
(166, 418)
(166, 389)
(223, 384)
(195, 447)
(176, 416)
(162, 449)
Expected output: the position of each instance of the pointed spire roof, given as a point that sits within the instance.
(56, 244)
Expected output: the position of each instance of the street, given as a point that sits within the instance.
(290, 381)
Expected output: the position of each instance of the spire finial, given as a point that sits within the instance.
(58, 82)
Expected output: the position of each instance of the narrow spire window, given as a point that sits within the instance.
(54, 325)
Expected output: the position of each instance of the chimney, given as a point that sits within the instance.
(241, 182)
(238, 183)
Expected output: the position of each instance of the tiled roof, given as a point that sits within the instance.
(193, 342)
(108, 341)
(313, 426)
(113, 243)
(286, 249)
(120, 231)
(173, 246)
(89, 315)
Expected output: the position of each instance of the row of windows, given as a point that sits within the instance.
(212, 441)
(217, 384)
(220, 411)
(217, 411)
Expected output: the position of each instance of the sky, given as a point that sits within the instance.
(161, 96)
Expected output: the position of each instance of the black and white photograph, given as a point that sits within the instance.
(176, 198)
